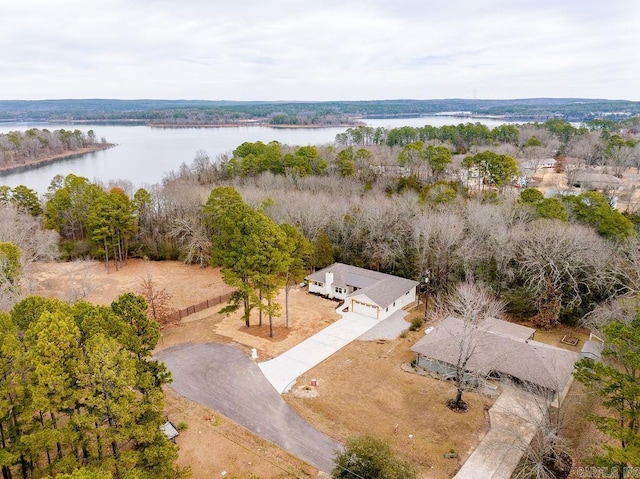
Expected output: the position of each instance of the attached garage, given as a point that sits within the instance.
(366, 309)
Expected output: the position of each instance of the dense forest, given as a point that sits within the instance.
(79, 391)
(449, 204)
(189, 112)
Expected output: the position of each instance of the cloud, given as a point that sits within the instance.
(303, 50)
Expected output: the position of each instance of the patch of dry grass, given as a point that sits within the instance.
(554, 337)
(213, 445)
(362, 389)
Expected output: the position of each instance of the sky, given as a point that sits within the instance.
(319, 50)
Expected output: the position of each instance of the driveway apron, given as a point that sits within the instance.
(283, 370)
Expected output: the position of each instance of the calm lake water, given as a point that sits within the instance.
(143, 154)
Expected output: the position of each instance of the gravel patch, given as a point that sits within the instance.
(389, 328)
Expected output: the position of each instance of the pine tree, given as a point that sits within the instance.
(616, 379)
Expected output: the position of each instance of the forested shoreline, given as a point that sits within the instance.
(309, 112)
(40, 146)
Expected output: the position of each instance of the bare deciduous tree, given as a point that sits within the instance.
(588, 147)
(25, 231)
(472, 303)
(158, 300)
(78, 280)
(437, 237)
(622, 308)
(193, 238)
(559, 263)
(35, 244)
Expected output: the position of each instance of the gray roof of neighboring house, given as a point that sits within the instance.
(592, 349)
(381, 288)
(507, 329)
(595, 179)
(530, 361)
(538, 163)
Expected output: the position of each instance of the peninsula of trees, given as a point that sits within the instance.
(37, 146)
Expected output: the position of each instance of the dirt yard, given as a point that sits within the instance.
(187, 284)
(361, 389)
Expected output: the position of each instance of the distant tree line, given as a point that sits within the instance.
(536, 109)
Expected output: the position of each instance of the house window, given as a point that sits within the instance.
(318, 284)
(339, 290)
(394, 303)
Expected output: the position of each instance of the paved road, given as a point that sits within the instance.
(225, 379)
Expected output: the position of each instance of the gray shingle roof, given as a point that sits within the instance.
(381, 288)
(592, 349)
(507, 329)
(530, 361)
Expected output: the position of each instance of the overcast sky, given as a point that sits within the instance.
(319, 50)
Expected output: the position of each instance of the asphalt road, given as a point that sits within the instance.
(226, 380)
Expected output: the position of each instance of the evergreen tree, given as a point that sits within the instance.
(616, 379)
(370, 458)
(300, 251)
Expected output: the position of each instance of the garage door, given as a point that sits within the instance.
(364, 308)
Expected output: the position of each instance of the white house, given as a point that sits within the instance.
(364, 291)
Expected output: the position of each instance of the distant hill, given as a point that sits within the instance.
(331, 112)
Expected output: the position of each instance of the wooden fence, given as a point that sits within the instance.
(196, 308)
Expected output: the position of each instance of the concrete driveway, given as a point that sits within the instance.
(226, 380)
(514, 418)
(282, 371)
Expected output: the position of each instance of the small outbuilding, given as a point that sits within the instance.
(170, 431)
(592, 349)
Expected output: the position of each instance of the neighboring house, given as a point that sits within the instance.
(363, 291)
(587, 180)
(497, 349)
(531, 166)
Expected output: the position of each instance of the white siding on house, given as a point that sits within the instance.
(316, 287)
(364, 305)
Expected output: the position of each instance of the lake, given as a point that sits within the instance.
(144, 155)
